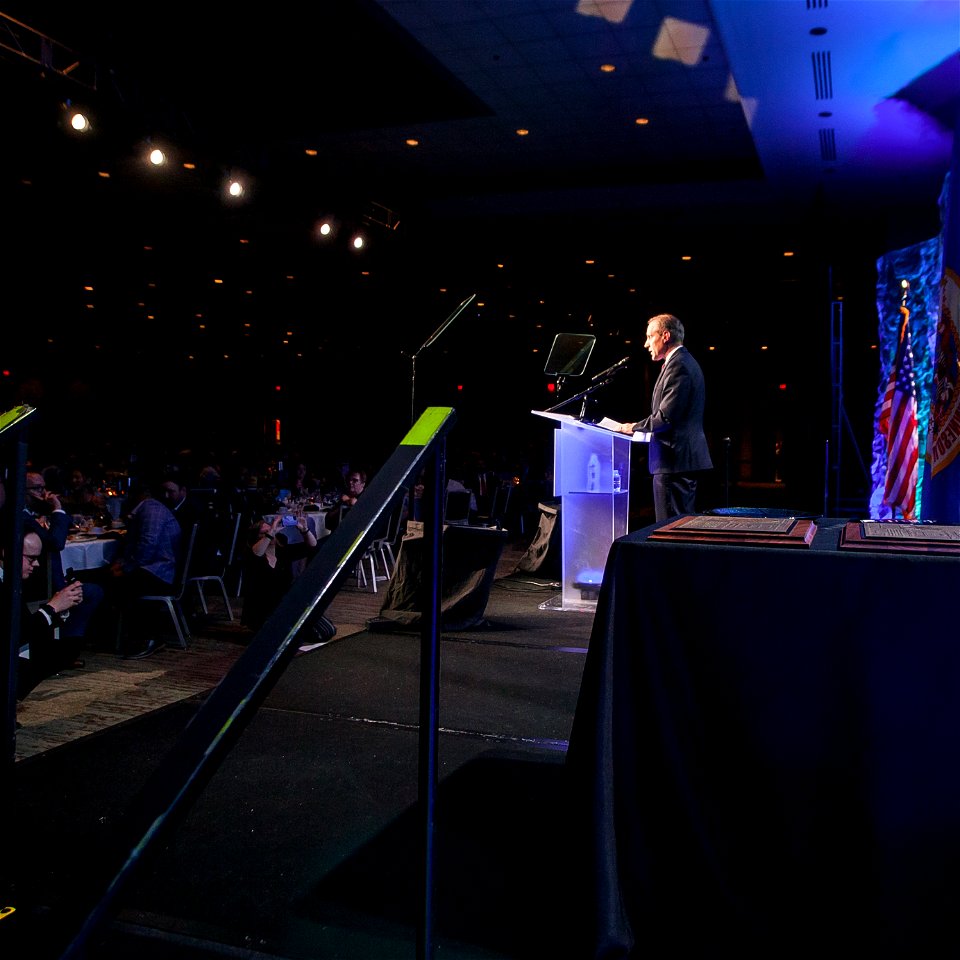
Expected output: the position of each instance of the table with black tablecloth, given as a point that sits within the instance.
(764, 756)
(470, 558)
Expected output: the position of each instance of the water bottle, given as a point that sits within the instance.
(593, 474)
(616, 481)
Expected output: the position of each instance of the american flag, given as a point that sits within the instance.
(898, 423)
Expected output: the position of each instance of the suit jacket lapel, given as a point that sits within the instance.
(657, 388)
(658, 385)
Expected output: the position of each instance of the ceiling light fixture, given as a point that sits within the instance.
(325, 228)
(77, 120)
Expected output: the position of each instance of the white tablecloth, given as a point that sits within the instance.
(85, 554)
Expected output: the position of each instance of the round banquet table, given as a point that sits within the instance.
(88, 553)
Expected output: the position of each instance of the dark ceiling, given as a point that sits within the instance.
(818, 126)
(762, 107)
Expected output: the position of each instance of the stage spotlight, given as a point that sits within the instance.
(358, 242)
(325, 229)
(76, 119)
(237, 186)
(157, 157)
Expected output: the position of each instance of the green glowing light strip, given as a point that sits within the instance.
(425, 429)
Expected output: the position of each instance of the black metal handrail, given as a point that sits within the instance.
(13, 442)
(222, 717)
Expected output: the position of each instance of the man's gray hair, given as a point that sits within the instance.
(667, 321)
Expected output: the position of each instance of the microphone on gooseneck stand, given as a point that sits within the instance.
(605, 373)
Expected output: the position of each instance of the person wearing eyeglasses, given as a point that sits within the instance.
(41, 653)
(44, 516)
(43, 503)
(356, 482)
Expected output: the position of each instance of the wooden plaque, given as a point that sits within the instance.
(749, 531)
(896, 537)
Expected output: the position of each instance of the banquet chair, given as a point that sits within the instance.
(381, 548)
(383, 545)
(173, 601)
(360, 571)
(228, 556)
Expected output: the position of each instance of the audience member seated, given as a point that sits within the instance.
(268, 569)
(209, 478)
(150, 561)
(173, 492)
(81, 497)
(356, 482)
(44, 516)
(269, 573)
(300, 483)
(41, 653)
(189, 511)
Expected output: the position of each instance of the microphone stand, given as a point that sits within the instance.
(433, 336)
(604, 377)
(582, 395)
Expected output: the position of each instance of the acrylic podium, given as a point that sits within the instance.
(591, 476)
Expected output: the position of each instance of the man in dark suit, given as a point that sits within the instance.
(44, 516)
(40, 651)
(189, 511)
(678, 447)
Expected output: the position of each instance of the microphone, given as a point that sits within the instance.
(613, 369)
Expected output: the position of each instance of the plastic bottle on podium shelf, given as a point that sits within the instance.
(593, 474)
(616, 480)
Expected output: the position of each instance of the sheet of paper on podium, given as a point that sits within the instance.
(614, 426)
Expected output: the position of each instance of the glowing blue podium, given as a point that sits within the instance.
(591, 476)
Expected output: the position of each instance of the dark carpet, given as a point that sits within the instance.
(307, 841)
